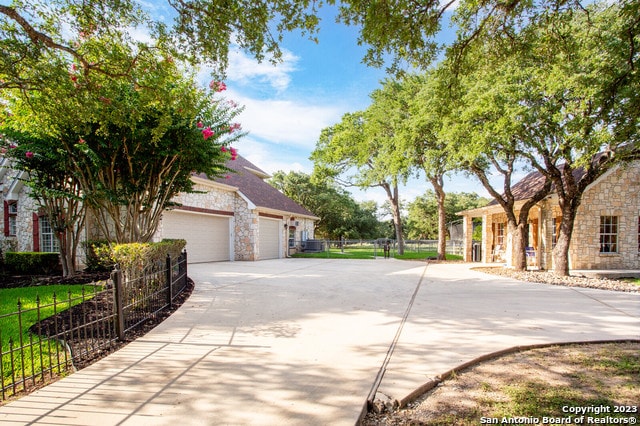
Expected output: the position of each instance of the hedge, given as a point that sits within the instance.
(32, 263)
(135, 257)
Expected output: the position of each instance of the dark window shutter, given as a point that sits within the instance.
(6, 218)
(36, 232)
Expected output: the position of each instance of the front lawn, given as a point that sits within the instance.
(371, 253)
(17, 343)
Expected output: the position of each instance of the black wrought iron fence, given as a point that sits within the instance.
(72, 332)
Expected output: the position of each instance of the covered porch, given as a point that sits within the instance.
(496, 243)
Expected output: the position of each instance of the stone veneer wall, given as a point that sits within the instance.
(245, 230)
(617, 193)
(245, 222)
(208, 198)
(23, 240)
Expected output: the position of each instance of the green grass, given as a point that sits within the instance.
(368, 253)
(590, 376)
(635, 281)
(15, 329)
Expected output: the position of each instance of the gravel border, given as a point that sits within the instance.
(547, 277)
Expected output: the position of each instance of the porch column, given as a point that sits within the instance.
(467, 231)
(487, 238)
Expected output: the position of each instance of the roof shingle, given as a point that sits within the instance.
(249, 179)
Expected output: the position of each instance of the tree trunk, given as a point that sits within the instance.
(520, 238)
(397, 221)
(438, 186)
(68, 265)
(561, 250)
(392, 196)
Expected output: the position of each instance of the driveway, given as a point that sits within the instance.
(306, 341)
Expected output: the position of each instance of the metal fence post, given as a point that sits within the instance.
(184, 266)
(118, 287)
(169, 277)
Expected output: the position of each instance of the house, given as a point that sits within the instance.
(244, 217)
(606, 232)
(236, 217)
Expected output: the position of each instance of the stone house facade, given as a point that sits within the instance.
(606, 232)
(236, 217)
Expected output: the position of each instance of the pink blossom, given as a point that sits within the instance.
(234, 153)
(223, 148)
(12, 145)
(29, 154)
(227, 177)
(200, 125)
(234, 127)
(81, 141)
(74, 78)
(217, 86)
(207, 133)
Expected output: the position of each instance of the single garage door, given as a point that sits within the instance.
(207, 236)
(269, 238)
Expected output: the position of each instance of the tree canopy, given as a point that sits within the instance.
(202, 32)
(554, 94)
(340, 215)
(361, 151)
(422, 219)
(130, 147)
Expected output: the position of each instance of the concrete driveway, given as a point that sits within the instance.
(306, 341)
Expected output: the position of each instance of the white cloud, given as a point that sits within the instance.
(290, 122)
(271, 160)
(245, 70)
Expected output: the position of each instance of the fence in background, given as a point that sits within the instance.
(455, 247)
(85, 328)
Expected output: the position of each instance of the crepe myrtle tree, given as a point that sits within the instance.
(54, 187)
(131, 174)
(130, 149)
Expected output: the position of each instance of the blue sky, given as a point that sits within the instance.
(287, 106)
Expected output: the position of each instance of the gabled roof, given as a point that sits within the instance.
(527, 187)
(249, 179)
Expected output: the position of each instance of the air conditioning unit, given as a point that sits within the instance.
(294, 223)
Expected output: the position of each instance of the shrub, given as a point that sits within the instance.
(133, 258)
(93, 260)
(32, 263)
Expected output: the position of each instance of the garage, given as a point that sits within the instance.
(269, 240)
(208, 236)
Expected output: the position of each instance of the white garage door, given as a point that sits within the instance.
(207, 236)
(269, 238)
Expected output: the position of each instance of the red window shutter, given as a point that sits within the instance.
(36, 232)
(6, 218)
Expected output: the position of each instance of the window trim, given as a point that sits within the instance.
(608, 235)
(43, 220)
(500, 233)
(638, 234)
(10, 218)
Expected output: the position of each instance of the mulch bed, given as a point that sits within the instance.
(102, 340)
(103, 337)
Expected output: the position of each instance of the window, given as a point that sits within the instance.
(48, 241)
(556, 230)
(500, 234)
(608, 234)
(12, 218)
